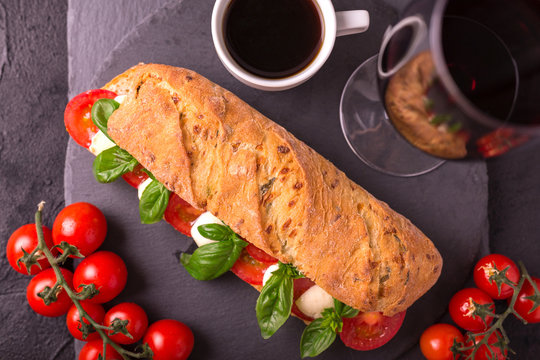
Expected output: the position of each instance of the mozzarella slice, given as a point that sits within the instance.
(142, 186)
(314, 301)
(205, 219)
(269, 272)
(100, 143)
(120, 98)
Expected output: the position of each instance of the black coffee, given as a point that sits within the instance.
(273, 38)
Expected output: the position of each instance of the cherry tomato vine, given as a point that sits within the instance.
(48, 294)
(492, 341)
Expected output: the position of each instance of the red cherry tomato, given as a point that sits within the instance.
(300, 286)
(249, 269)
(106, 270)
(523, 306)
(25, 238)
(94, 348)
(484, 353)
(77, 118)
(169, 340)
(436, 341)
(180, 214)
(135, 177)
(486, 268)
(370, 330)
(38, 283)
(82, 225)
(260, 255)
(73, 320)
(137, 325)
(461, 309)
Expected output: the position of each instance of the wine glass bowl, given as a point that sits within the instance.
(455, 79)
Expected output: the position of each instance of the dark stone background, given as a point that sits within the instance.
(33, 92)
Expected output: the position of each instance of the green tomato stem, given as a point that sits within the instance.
(60, 280)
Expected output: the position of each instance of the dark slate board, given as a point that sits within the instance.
(448, 204)
(33, 92)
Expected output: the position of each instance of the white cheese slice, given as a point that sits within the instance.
(142, 186)
(120, 98)
(314, 301)
(204, 219)
(100, 143)
(269, 272)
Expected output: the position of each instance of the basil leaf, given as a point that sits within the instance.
(112, 163)
(154, 200)
(211, 260)
(316, 338)
(150, 175)
(343, 310)
(275, 301)
(338, 306)
(292, 271)
(215, 232)
(101, 111)
(349, 312)
(238, 240)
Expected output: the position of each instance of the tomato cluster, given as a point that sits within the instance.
(84, 226)
(471, 308)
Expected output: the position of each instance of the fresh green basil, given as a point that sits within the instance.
(316, 338)
(275, 300)
(153, 203)
(101, 111)
(215, 232)
(274, 303)
(112, 163)
(213, 260)
(150, 175)
(345, 310)
(321, 333)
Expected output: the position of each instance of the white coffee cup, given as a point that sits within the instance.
(334, 24)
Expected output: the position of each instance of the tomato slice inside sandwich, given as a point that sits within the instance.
(260, 255)
(180, 214)
(77, 118)
(136, 177)
(370, 330)
(249, 269)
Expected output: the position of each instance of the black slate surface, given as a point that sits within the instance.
(95, 28)
(514, 217)
(32, 149)
(454, 217)
(33, 55)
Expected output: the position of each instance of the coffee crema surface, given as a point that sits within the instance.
(273, 38)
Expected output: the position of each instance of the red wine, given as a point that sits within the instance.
(273, 38)
(480, 65)
(492, 49)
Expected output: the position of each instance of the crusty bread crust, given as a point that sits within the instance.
(221, 155)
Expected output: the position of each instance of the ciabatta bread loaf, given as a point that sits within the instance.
(221, 155)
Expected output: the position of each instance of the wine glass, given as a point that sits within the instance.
(453, 80)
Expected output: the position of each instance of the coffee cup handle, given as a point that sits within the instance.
(351, 22)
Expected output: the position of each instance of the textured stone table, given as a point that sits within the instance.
(33, 92)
